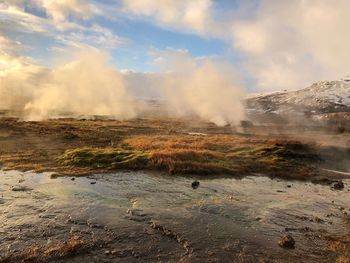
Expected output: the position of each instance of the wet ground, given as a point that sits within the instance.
(144, 217)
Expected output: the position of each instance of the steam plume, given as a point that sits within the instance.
(89, 86)
(204, 88)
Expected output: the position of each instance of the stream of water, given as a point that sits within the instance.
(145, 217)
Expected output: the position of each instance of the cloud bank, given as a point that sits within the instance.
(192, 15)
(282, 44)
(289, 44)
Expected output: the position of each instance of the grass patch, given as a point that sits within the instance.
(185, 154)
(108, 158)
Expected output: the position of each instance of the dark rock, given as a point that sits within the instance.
(195, 184)
(287, 242)
(338, 185)
(246, 124)
(20, 188)
(93, 182)
(322, 180)
(73, 179)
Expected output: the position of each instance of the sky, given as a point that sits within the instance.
(269, 44)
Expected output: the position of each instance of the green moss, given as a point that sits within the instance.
(109, 158)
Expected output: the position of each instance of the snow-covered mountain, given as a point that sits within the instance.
(321, 97)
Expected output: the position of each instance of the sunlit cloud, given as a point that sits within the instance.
(61, 10)
(189, 15)
(280, 44)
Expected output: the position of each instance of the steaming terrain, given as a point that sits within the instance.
(128, 134)
(162, 189)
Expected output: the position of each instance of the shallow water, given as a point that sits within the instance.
(138, 216)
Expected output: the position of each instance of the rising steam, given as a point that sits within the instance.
(86, 86)
(204, 88)
(89, 86)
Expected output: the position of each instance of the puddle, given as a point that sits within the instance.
(148, 217)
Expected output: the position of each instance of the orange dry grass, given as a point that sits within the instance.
(40, 254)
(186, 160)
(341, 246)
(211, 154)
(183, 141)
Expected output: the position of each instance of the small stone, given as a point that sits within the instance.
(338, 185)
(287, 242)
(195, 184)
(73, 179)
(93, 182)
(20, 188)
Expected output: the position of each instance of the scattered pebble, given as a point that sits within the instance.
(195, 184)
(93, 182)
(73, 179)
(338, 185)
(287, 242)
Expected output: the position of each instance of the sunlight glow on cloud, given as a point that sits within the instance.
(60, 10)
(280, 44)
(290, 44)
(191, 15)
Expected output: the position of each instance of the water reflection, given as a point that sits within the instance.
(222, 217)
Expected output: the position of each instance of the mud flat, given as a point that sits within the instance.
(146, 217)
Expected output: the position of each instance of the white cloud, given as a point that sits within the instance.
(287, 44)
(18, 76)
(8, 45)
(61, 10)
(16, 21)
(94, 36)
(189, 15)
(290, 44)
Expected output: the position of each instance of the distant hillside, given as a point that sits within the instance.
(324, 100)
(321, 97)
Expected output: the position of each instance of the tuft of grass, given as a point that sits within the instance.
(185, 154)
(108, 158)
